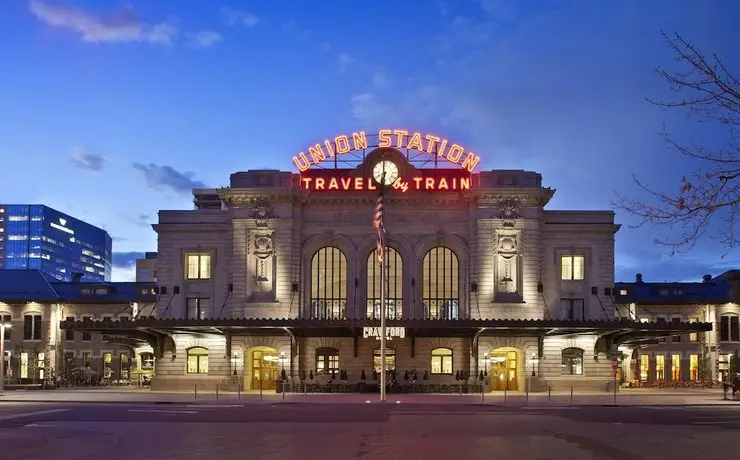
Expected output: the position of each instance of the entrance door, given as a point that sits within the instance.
(504, 370)
(265, 369)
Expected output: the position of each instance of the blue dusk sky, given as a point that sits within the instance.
(113, 110)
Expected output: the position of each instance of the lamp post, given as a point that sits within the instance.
(235, 360)
(2, 357)
(534, 362)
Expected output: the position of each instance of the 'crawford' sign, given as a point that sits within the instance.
(397, 138)
(390, 332)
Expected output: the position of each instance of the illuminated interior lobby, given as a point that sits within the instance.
(277, 274)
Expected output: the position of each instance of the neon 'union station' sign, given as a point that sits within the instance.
(393, 138)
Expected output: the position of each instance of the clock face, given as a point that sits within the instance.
(389, 168)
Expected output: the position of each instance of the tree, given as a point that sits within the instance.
(708, 91)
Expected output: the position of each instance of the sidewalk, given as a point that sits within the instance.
(626, 397)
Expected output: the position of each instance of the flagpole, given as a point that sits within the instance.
(382, 324)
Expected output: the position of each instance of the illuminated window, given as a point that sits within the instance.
(7, 319)
(623, 292)
(390, 360)
(198, 266)
(87, 358)
(147, 361)
(441, 361)
(24, 365)
(197, 360)
(124, 366)
(644, 367)
(729, 328)
(572, 361)
(694, 336)
(394, 288)
(86, 335)
(660, 367)
(694, 367)
(440, 281)
(675, 368)
(327, 360)
(328, 283)
(571, 268)
(107, 362)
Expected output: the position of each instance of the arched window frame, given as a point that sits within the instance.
(441, 361)
(441, 294)
(328, 292)
(729, 327)
(197, 360)
(572, 361)
(394, 287)
(146, 358)
(327, 360)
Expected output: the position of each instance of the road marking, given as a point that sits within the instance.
(214, 406)
(31, 414)
(164, 411)
(715, 422)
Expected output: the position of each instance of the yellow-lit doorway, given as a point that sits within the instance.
(504, 371)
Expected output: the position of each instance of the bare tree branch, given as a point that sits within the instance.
(709, 92)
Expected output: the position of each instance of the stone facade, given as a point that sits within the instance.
(261, 234)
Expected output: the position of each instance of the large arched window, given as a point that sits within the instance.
(441, 283)
(441, 361)
(394, 285)
(197, 360)
(328, 283)
(572, 362)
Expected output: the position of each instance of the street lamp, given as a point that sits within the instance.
(534, 362)
(2, 356)
(485, 364)
(235, 361)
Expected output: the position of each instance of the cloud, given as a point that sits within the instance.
(118, 27)
(204, 39)
(345, 60)
(163, 177)
(142, 220)
(233, 17)
(126, 260)
(83, 158)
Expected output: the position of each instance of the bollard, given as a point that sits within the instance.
(238, 391)
(196, 391)
(217, 385)
(526, 391)
(571, 394)
(260, 387)
(549, 393)
(283, 391)
(305, 391)
(506, 391)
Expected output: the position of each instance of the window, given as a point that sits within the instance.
(441, 284)
(197, 360)
(124, 366)
(24, 365)
(327, 360)
(441, 361)
(198, 266)
(40, 364)
(729, 328)
(69, 334)
(676, 320)
(87, 359)
(147, 361)
(693, 337)
(623, 292)
(660, 367)
(32, 327)
(86, 335)
(328, 283)
(572, 268)
(107, 361)
(644, 367)
(7, 319)
(390, 360)
(198, 308)
(572, 361)
(676, 368)
(394, 289)
(694, 367)
(573, 309)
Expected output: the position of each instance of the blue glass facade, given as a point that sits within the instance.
(38, 237)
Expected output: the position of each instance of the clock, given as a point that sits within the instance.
(389, 168)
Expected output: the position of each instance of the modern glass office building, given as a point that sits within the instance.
(38, 237)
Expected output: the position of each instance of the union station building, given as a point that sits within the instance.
(277, 274)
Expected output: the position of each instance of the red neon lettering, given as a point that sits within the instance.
(429, 183)
(384, 138)
(455, 153)
(346, 182)
(301, 162)
(415, 142)
(342, 143)
(442, 148)
(371, 185)
(329, 148)
(442, 185)
(471, 161)
(359, 140)
(306, 182)
(358, 183)
(319, 182)
(333, 184)
(431, 143)
(464, 183)
(417, 182)
(400, 135)
(317, 154)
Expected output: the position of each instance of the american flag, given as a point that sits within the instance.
(379, 226)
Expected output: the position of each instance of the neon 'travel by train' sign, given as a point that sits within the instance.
(396, 138)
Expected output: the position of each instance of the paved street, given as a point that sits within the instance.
(291, 430)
